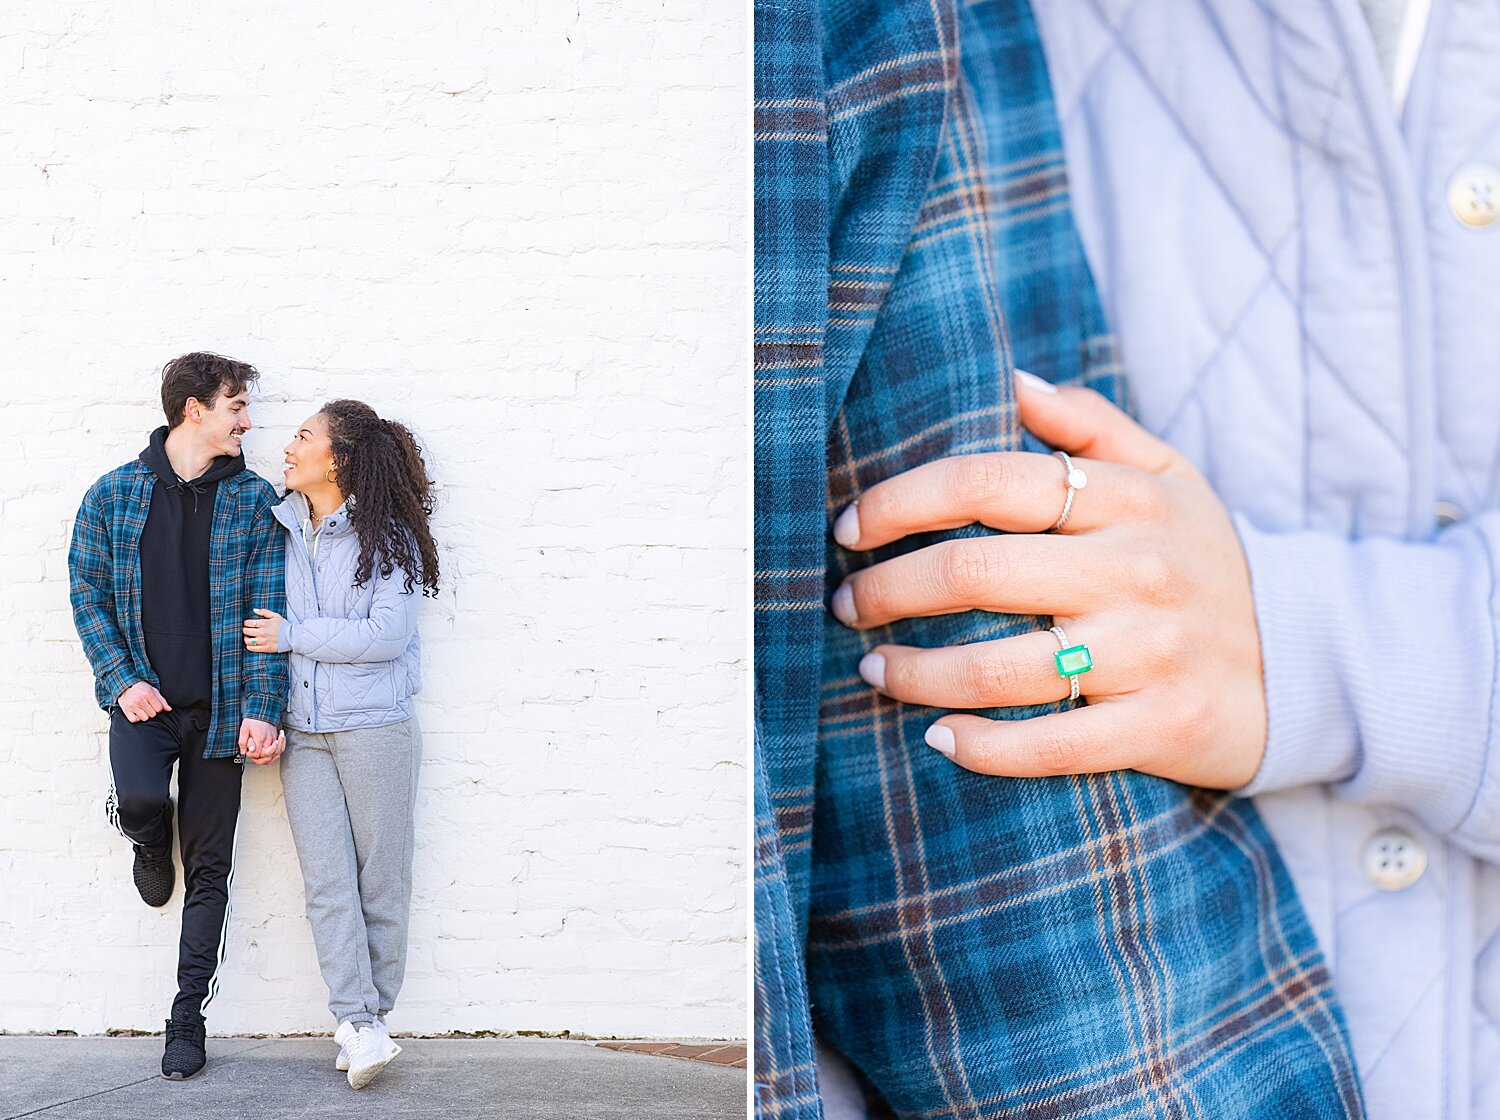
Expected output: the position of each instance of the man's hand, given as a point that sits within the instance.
(1148, 572)
(260, 742)
(141, 701)
(262, 633)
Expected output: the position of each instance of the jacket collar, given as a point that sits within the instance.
(294, 512)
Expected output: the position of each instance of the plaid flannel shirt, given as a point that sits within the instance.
(1100, 946)
(245, 570)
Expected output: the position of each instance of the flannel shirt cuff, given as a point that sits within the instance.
(259, 705)
(119, 680)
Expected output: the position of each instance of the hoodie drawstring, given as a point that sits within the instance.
(197, 487)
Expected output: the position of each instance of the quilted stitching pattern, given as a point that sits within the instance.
(1266, 332)
(1292, 333)
(355, 651)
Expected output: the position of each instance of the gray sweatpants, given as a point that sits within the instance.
(350, 798)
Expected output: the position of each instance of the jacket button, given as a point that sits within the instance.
(1447, 513)
(1393, 859)
(304, 684)
(1474, 195)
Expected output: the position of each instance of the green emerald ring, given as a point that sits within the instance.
(1072, 661)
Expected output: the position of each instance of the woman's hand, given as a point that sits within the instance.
(261, 743)
(1147, 572)
(262, 633)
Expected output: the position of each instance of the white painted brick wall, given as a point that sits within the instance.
(520, 227)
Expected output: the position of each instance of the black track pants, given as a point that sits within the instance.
(208, 806)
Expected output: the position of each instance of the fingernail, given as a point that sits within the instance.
(843, 605)
(940, 739)
(1032, 381)
(872, 669)
(846, 528)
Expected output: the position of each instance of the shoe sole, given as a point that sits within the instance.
(180, 1076)
(367, 1075)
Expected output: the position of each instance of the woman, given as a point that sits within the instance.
(359, 547)
(1287, 571)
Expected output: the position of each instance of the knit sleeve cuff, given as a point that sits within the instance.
(1309, 724)
(1379, 659)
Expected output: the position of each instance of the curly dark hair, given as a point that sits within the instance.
(381, 472)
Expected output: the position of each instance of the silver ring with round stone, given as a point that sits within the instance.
(1075, 481)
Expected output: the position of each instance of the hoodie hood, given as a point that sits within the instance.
(155, 457)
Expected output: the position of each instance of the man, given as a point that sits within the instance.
(170, 553)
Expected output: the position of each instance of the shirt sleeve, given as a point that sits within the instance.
(92, 596)
(383, 636)
(1380, 659)
(265, 674)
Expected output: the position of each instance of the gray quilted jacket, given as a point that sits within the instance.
(355, 655)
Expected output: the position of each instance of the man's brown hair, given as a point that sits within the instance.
(203, 376)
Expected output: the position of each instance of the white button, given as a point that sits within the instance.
(1448, 514)
(1474, 195)
(1394, 859)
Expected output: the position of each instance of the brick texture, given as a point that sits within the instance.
(732, 1054)
(521, 228)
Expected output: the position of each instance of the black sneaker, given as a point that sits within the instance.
(184, 1055)
(153, 872)
(154, 875)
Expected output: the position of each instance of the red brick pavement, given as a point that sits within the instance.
(732, 1054)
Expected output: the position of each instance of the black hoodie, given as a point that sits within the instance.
(175, 615)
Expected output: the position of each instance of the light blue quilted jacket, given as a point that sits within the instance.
(355, 653)
(1306, 289)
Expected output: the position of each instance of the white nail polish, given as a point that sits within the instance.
(1032, 381)
(940, 739)
(872, 669)
(846, 528)
(843, 605)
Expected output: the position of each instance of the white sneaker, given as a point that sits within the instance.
(370, 1051)
(343, 1036)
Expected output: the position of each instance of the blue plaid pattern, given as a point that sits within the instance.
(245, 570)
(1104, 946)
(791, 293)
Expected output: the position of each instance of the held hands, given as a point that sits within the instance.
(141, 701)
(1147, 572)
(260, 742)
(261, 634)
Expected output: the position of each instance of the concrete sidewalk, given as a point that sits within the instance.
(444, 1079)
